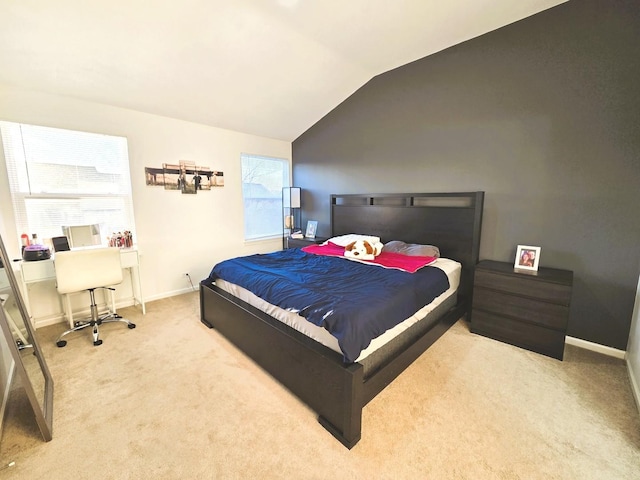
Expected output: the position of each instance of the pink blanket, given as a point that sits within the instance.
(407, 263)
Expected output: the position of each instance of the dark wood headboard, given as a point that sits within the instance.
(450, 221)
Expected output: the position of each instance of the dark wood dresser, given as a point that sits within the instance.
(529, 311)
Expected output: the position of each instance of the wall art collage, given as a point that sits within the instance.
(185, 176)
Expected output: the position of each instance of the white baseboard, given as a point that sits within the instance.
(172, 293)
(635, 388)
(50, 320)
(595, 347)
(126, 302)
(612, 352)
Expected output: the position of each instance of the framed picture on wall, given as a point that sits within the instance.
(527, 259)
(312, 227)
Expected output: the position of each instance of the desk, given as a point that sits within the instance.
(44, 270)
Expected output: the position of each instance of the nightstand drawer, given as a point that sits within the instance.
(303, 242)
(537, 339)
(551, 315)
(525, 285)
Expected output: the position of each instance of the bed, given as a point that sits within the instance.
(337, 390)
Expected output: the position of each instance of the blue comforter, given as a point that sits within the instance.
(355, 302)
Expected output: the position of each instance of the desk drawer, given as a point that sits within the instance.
(37, 271)
(129, 258)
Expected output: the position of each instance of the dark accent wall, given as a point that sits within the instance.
(543, 115)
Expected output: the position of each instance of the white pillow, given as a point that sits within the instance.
(344, 240)
(411, 249)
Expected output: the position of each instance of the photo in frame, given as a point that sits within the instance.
(312, 228)
(527, 259)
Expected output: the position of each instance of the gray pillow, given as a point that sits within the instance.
(412, 249)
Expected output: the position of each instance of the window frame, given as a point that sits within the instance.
(117, 199)
(275, 198)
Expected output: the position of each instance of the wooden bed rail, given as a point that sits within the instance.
(315, 373)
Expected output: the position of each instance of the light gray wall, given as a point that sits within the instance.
(542, 115)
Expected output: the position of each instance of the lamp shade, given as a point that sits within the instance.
(291, 197)
(295, 197)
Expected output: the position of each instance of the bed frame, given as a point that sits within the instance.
(336, 391)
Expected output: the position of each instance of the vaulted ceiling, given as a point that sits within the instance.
(266, 67)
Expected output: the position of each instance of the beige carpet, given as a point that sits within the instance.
(174, 400)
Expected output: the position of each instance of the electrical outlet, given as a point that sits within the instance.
(190, 282)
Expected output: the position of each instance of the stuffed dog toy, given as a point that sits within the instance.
(362, 250)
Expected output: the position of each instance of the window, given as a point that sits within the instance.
(63, 178)
(262, 181)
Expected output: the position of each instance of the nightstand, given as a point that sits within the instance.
(529, 311)
(303, 242)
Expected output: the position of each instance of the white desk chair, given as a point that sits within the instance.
(89, 269)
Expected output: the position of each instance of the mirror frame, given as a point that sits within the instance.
(43, 413)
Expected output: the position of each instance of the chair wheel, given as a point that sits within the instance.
(61, 343)
(131, 325)
(97, 342)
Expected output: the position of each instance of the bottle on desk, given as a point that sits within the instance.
(24, 239)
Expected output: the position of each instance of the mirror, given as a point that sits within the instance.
(82, 235)
(29, 364)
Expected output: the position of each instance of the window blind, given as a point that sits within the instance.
(262, 182)
(63, 177)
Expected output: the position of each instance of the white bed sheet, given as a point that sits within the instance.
(319, 334)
